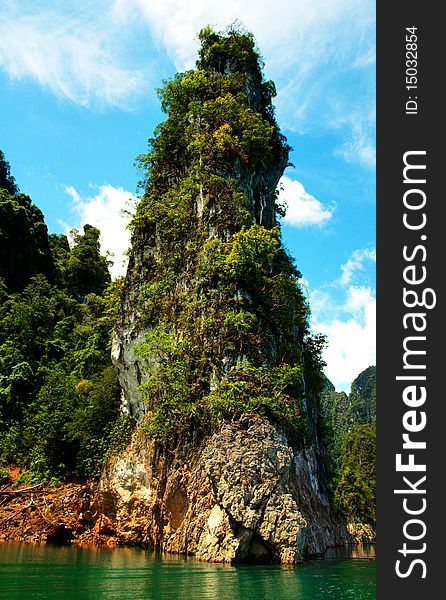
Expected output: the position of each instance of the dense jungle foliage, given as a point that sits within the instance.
(58, 389)
(208, 279)
(349, 440)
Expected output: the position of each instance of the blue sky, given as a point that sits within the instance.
(78, 103)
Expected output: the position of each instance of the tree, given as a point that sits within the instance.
(7, 181)
(363, 397)
(86, 269)
(355, 494)
(340, 413)
(58, 390)
(24, 247)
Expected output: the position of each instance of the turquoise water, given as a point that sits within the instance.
(30, 571)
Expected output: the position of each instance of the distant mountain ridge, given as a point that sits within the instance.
(348, 432)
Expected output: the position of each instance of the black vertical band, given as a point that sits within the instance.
(411, 361)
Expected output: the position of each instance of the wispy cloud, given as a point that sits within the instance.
(351, 338)
(108, 210)
(360, 145)
(281, 27)
(73, 52)
(321, 53)
(356, 263)
(302, 209)
(345, 312)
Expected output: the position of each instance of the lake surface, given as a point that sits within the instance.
(32, 571)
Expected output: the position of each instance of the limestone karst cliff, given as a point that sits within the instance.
(216, 364)
(349, 444)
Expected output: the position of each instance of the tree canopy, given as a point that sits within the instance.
(7, 181)
(24, 246)
(348, 433)
(59, 393)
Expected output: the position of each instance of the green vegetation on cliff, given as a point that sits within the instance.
(349, 440)
(208, 275)
(355, 494)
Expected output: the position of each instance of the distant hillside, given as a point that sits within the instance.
(362, 398)
(348, 425)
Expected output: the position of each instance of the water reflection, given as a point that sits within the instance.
(28, 571)
(356, 551)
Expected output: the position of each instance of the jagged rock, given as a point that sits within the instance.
(362, 533)
(243, 494)
(209, 279)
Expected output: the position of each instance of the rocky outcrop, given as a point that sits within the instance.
(362, 533)
(243, 494)
(210, 282)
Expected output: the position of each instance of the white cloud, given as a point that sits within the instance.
(351, 340)
(72, 51)
(360, 150)
(321, 54)
(358, 298)
(346, 313)
(108, 211)
(356, 263)
(302, 209)
(280, 27)
(360, 145)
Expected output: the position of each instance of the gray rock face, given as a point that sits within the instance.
(123, 356)
(243, 494)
